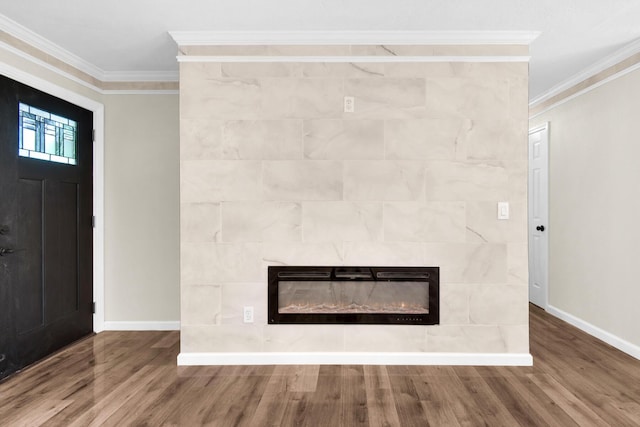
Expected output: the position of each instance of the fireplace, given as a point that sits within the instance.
(353, 295)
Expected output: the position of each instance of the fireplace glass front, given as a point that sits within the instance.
(348, 295)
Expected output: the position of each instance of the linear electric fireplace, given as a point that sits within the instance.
(354, 295)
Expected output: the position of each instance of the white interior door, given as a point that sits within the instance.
(539, 215)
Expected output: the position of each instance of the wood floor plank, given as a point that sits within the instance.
(541, 404)
(273, 404)
(381, 405)
(579, 412)
(353, 401)
(324, 403)
(494, 412)
(408, 404)
(37, 415)
(131, 378)
(436, 406)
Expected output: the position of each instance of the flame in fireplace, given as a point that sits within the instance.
(324, 308)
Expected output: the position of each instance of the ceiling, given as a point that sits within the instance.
(132, 36)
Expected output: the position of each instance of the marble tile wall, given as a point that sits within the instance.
(274, 172)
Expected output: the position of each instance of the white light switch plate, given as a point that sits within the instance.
(503, 210)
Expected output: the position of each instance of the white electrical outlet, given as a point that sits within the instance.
(247, 314)
(349, 104)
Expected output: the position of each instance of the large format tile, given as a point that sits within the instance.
(483, 225)
(388, 98)
(221, 98)
(516, 338)
(379, 180)
(411, 177)
(454, 303)
(424, 222)
(485, 263)
(518, 263)
(367, 338)
(428, 139)
(201, 305)
(347, 221)
(220, 180)
(261, 222)
(281, 253)
(236, 296)
(262, 139)
(200, 139)
(334, 139)
(482, 99)
(496, 139)
(384, 253)
(466, 339)
(342, 69)
(466, 181)
(450, 257)
(207, 263)
(306, 338)
(200, 222)
(499, 305)
(302, 180)
(221, 338)
(259, 69)
(316, 98)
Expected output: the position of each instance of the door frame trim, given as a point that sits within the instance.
(541, 127)
(98, 173)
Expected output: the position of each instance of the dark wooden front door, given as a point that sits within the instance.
(46, 283)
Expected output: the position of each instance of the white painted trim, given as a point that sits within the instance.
(48, 66)
(349, 58)
(247, 38)
(80, 81)
(348, 358)
(169, 325)
(611, 339)
(26, 35)
(98, 174)
(140, 76)
(140, 92)
(596, 68)
(587, 90)
(37, 41)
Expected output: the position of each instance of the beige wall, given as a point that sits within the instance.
(595, 206)
(141, 199)
(273, 172)
(141, 208)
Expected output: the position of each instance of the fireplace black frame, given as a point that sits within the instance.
(347, 273)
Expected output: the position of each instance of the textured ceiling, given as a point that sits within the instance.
(132, 36)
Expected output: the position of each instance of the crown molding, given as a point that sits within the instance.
(140, 76)
(603, 64)
(49, 48)
(26, 35)
(247, 38)
(540, 111)
(342, 59)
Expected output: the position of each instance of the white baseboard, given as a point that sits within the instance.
(601, 334)
(171, 325)
(316, 358)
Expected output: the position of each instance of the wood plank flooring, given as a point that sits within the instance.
(131, 379)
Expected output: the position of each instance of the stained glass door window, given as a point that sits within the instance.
(46, 136)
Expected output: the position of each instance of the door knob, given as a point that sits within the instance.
(4, 229)
(5, 251)
(540, 228)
